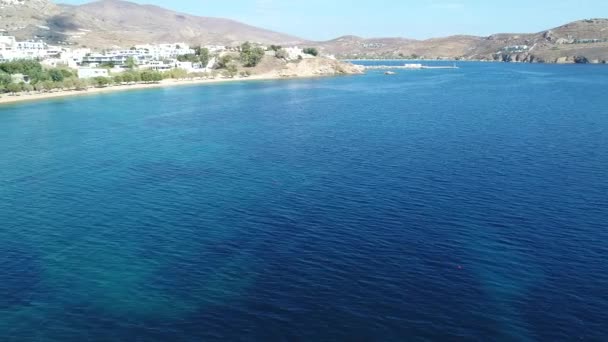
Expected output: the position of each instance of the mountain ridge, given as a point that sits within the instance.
(107, 23)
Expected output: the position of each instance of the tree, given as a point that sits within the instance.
(146, 76)
(5, 78)
(223, 61)
(107, 65)
(204, 56)
(177, 73)
(68, 83)
(67, 73)
(48, 85)
(311, 51)
(56, 75)
(26, 67)
(231, 70)
(127, 77)
(130, 63)
(151, 76)
(251, 56)
(14, 88)
(80, 84)
(101, 81)
(117, 79)
(157, 76)
(281, 54)
(39, 87)
(188, 58)
(275, 48)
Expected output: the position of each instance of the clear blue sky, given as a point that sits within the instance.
(327, 19)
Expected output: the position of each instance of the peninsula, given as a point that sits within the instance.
(36, 70)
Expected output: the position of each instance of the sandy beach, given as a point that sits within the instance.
(35, 96)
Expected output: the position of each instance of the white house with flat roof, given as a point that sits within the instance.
(158, 65)
(11, 49)
(295, 52)
(84, 73)
(7, 43)
(165, 51)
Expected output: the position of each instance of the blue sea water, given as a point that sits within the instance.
(467, 204)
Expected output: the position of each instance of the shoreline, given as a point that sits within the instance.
(34, 97)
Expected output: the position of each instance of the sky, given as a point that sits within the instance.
(421, 19)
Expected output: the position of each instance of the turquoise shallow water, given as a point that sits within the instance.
(464, 204)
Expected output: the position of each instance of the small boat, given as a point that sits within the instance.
(390, 73)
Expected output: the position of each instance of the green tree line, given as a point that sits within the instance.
(65, 79)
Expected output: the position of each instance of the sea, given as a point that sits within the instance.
(464, 204)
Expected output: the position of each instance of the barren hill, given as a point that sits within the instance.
(580, 41)
(114, 22)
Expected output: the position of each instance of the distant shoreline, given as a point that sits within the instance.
(32, 97)
(460, 61)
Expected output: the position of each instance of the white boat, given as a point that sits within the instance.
(413, 66)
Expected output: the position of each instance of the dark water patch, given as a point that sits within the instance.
(20, 274)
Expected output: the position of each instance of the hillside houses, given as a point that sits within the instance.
(156, 57)
(11, 49)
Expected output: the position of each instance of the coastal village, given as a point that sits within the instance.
(33, 66)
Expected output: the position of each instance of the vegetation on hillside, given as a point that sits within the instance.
(223, 61)
(251, 55)
(200, 55)
(281, 54)
(311, 51)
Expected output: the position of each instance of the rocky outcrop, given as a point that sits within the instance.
(572, 60)
(319, 67)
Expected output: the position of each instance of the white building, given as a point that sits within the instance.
(7, 43)
(158, 65)
(118, 57)
(142, 54)
(165, 51)
(73, 58)
(215, 48)
(53, 62)
(192, 67)
(295, 52)
(11, 49)
(20, 78)
(31, 45)
(92, 72)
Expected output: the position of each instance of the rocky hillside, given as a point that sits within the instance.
(356, 47)
(17, 15)
(120, 23)
(584, 41)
